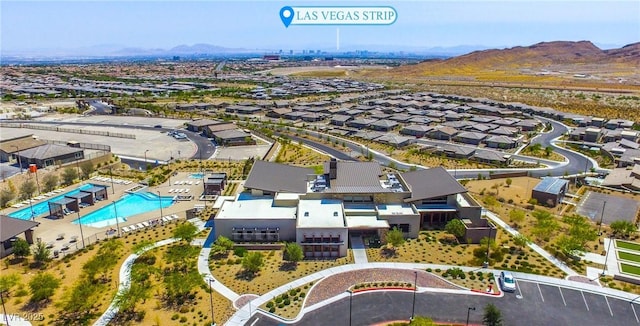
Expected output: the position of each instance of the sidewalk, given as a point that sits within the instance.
(359, 251)
(560, 264)
(244, 313)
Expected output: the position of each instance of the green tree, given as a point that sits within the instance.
(43, 286)
(222, 245)
(623, 228)
(581, 229)
(69, 174)
(185, 232)
(7, 282)
(27, 189)
(41, 254)
(492, 315)
(50, 182)
(252, 261)
(521, 240)
(394, 237)
(516, 216)
(87, 168)
(456, 227)
(548, 150)
(293, 252)
(6, 196)
(508, 182)
(421, 321)
(545, 224)
(21, 248)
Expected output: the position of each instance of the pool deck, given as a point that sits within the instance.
(49, 230)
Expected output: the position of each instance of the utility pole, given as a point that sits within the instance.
(601, 217)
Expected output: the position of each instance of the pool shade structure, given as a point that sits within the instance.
(73, 202)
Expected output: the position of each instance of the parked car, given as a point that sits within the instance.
(507, 282)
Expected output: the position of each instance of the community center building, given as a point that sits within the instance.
(321, 211)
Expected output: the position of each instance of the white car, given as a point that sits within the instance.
(507, 282)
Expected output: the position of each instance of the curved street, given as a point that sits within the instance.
(576, 163)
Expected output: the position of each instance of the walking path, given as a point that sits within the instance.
(359, 251)
(125, 273)
(560, 264)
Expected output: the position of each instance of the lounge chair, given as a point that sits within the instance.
(60, 236)
(166, 219)
(139, 226)
(176, 182)
(125, 229)
(171, 190)
(174, 216)
(197, 182)
(187, 190)
(74, 239)
(146, 224)
(50, 244)
(190, 183)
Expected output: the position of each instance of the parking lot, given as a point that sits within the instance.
(565, 305)
(616, 208)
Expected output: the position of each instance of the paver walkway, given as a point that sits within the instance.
(359, 251)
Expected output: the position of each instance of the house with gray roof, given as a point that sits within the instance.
(340, 120)
(383, 125)
(233, 137)
(473, 138)
(395, 140)
(417, 130)
(442, 133)
(491, 157)
(49, 154)
(360, 123)
(12, 228)
(454, 151)
(502, 142)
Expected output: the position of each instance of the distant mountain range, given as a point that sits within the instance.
(116, 50)
(537, 56)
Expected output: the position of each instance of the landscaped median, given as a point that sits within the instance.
(628, 254)
(371, 286)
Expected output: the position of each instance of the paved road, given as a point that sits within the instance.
(576, 163)
(204, 145)
(532, 304)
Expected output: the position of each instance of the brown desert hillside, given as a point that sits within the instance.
(558, 62)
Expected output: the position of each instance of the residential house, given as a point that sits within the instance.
(473, 138)
(502, 142)
(442, 133)
(416, 130)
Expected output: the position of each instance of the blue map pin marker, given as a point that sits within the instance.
(286, 14)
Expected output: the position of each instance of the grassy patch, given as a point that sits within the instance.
(629, 256)
(628, 245)
(289, 304)
(630, 269)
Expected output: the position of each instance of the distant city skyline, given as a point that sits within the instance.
(45, 27)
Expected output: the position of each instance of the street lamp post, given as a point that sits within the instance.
(80, 224)
(160, 201)
(415, 289)
(145, 159)
(468, 311)
(604, 204)
(213, 321)
(115, 209)
(113, 190)
(488, 245)
(350, 304)
(4, 310)
(18, 155)
(606, 257)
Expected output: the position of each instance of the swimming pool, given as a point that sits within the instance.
(42, 208)
(129, 205)
(196, 175)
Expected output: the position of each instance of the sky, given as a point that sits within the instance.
(49, 25)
